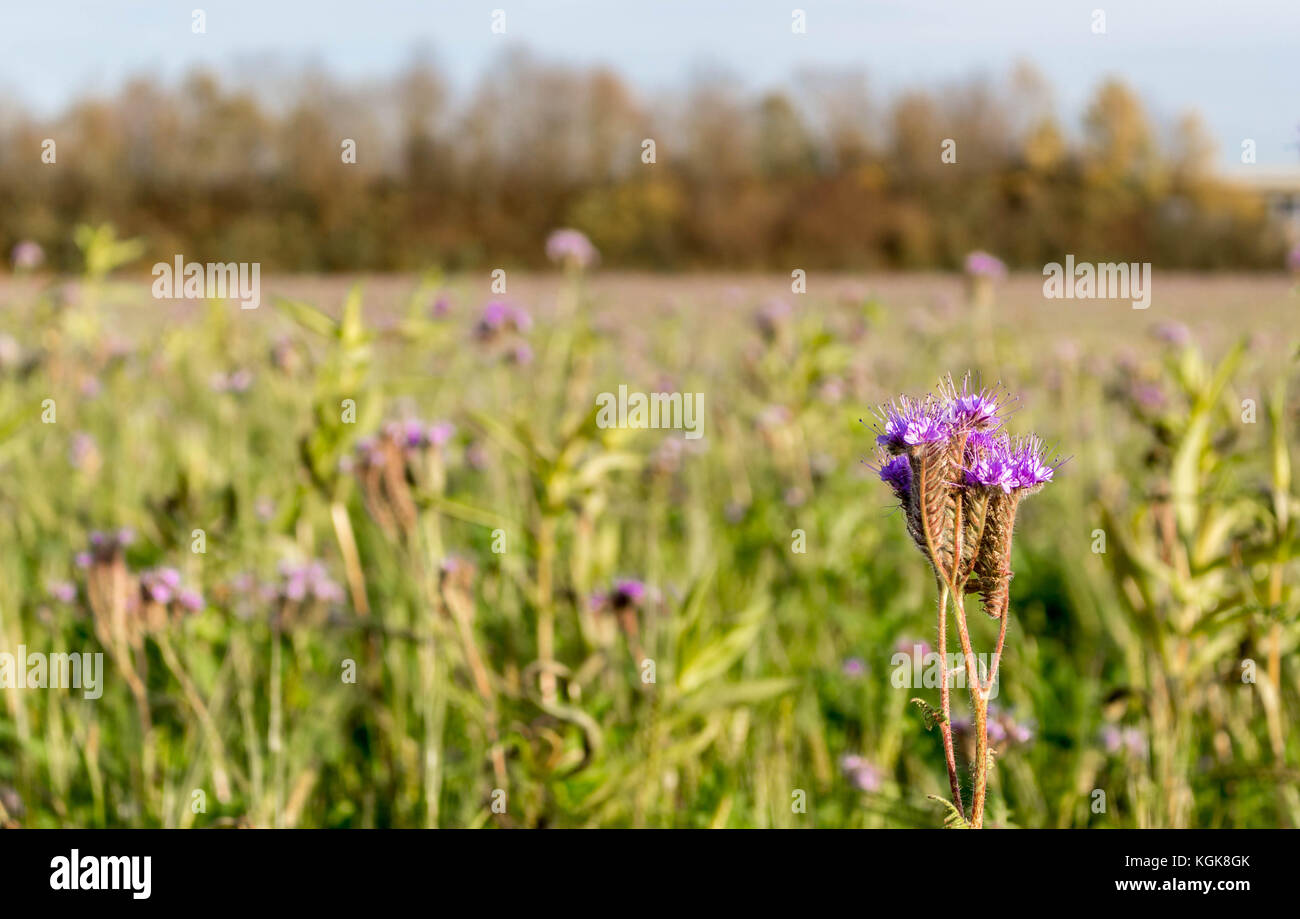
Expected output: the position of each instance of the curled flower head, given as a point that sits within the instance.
(970, 408)
(1029, 466)
(990, 465)
(897, 474)
(908, 423)
(571, 247)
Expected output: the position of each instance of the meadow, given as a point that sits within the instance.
(362, 557)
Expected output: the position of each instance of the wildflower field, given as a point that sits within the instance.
(366, 556)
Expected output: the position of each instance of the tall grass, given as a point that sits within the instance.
(1153, 624)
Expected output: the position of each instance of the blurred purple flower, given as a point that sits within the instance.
(1172, 333)
(571, 247)
(983, 265)
(860, 772)
(27, 255)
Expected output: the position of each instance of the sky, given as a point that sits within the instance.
(1237, 63)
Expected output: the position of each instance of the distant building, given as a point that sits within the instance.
(1280, 188)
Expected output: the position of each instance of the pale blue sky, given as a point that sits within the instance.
(1237, 62)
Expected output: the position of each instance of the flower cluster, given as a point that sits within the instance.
(403, 460)
(162, 586)
(501, 316)
(126, 606)
(501, 330)
(959, 477)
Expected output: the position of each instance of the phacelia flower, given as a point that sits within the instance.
(860, 772)
(992, 467)
(27, 255)
(571, 247)
(1029, 467)
(624, 593)
(971, 409)
(1173, 333)
(984, 265)
(304, 581)
(63, 591)
(897, 474)
(910, 424)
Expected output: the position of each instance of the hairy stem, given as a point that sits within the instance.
(945, 697)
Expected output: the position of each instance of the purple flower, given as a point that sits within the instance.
(983, 265)
(995, 462)
(27, 255)
(191, 599)
(1029, 467)
(992, 470)
(860, 772)
(499, 316)
(628, 592)
(624, 593)
(909, 424)
(310, 580)
(63, 591)
(1173, 333)
(854, 667)
(160, 584)
(1293, 258)
(571, 247)
(969, 409)
(440, 432)
(897, 474)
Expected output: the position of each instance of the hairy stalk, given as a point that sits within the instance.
(979, 704)
(945, 697)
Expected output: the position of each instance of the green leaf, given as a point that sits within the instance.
(307, 316)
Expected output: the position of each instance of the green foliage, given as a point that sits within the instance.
(730, 687)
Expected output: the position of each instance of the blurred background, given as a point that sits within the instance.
(363, 557)
(772, 147)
